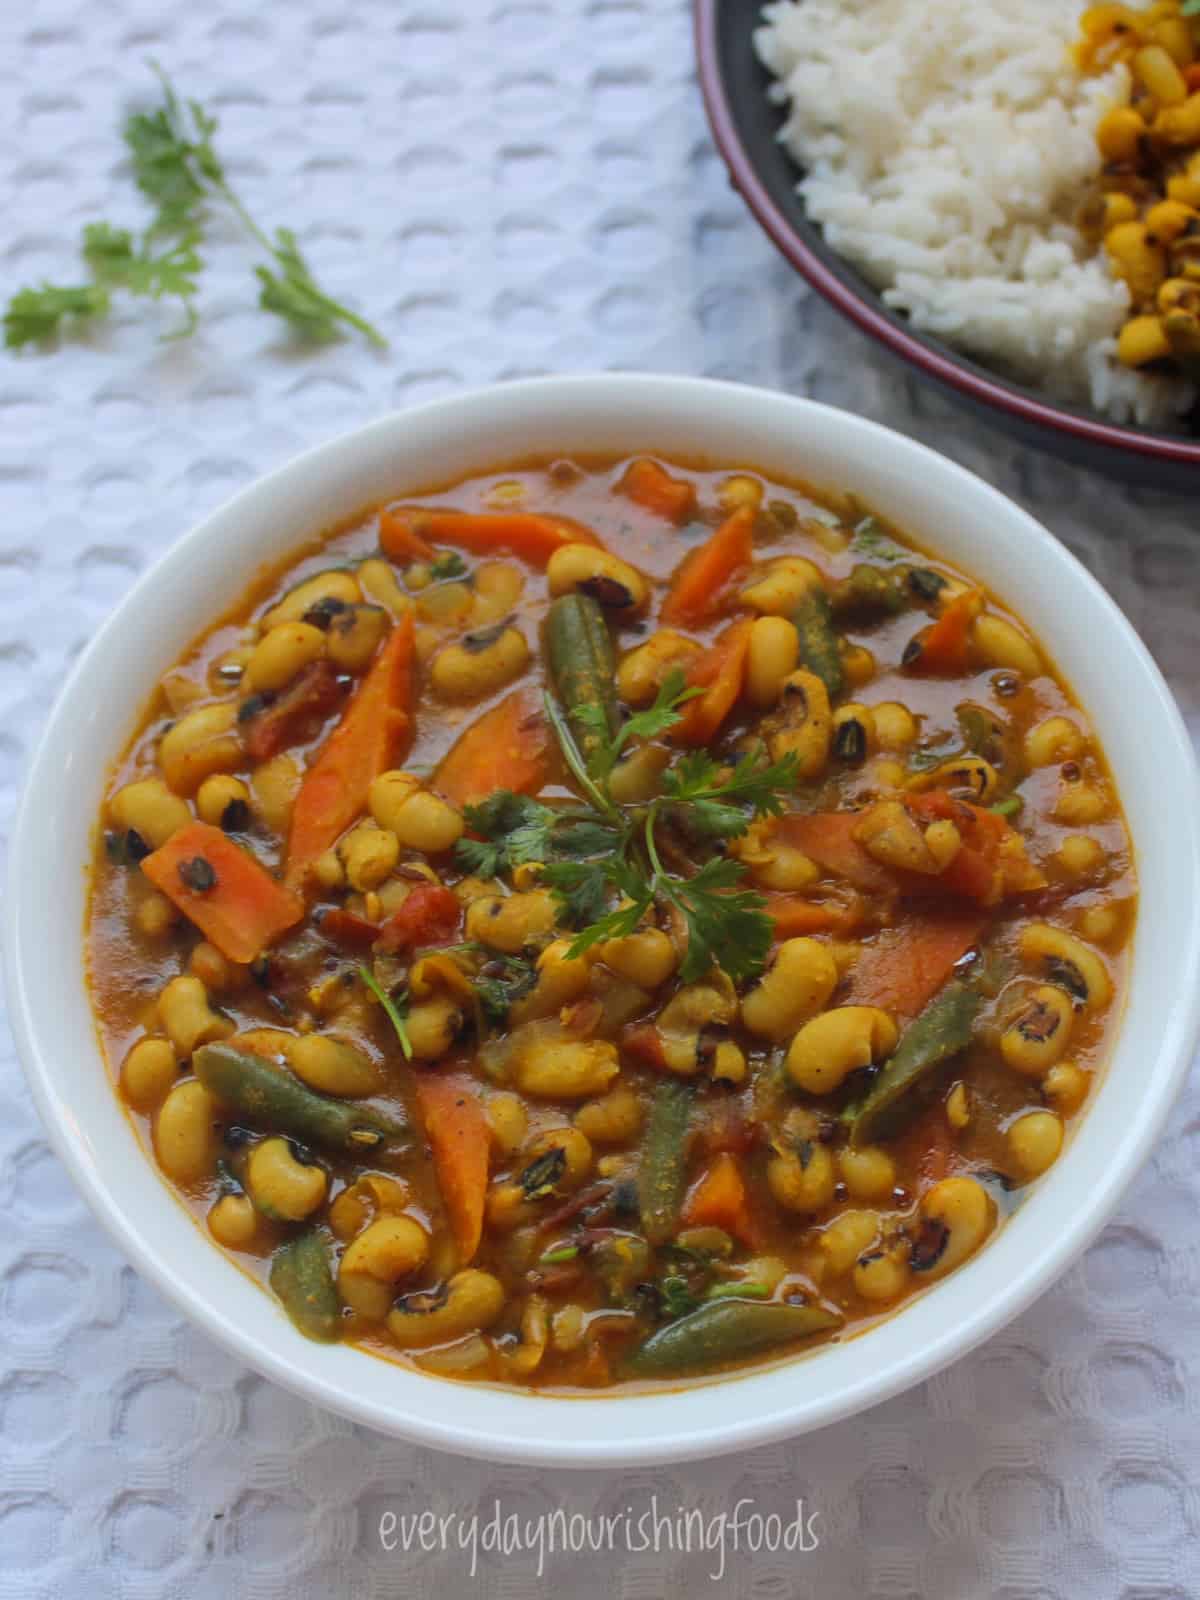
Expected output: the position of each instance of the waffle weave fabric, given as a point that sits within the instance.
(507, 187)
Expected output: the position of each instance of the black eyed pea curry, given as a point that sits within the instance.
(607, 923)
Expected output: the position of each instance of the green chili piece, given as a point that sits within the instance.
(940, 1032)
(269, 1097)
(664, 1156)
(726, 1330)
(819, 648)
(870, 591)
(583, 670)
(302, 1277)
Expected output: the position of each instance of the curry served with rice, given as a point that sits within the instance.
(608, 923)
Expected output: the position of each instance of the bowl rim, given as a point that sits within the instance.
(516, 1428)
(861, 308)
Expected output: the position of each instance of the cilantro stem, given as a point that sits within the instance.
(391, 1010)
(574, 759)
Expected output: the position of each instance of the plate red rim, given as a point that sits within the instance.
(862, 312)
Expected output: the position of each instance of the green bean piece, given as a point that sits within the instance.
(725, 1330)
(664, 1160)
(583, 669)
(870, 591)
(302, 1277)
(269, 1097)
(819, 648)
(940, 1032)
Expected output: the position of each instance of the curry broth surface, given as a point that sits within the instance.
(128, 969)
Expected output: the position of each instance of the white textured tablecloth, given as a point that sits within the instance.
(509, 187)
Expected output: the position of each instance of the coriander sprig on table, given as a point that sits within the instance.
(598, 852)
(177, 168)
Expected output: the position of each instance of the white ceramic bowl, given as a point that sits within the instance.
(959, 517)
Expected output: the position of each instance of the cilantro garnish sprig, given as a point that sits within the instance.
(177, 169)
(604, 861)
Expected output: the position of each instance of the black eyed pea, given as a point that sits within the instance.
(559, 981)
(690, 1010)
(642, 672)
(535, 1334)
(739, 490)
(794, 988)
(1034, 1141)
(1100, 924)
(853, 733)
(428, 823)
(148, 1073)
(334, 584)
(551, 1065)
(233, 1221)
(614, 1118)
(1066, 961)
(727, 1063)
(354, 636)
(895, 726)
(482, 663)
(889, 832)
(216, 973)
(374, 1194)
(283, 1181)
(802, 1178)
(869, 1173)
(377, 580)
(804, 725)
(433, 1026)
(637, 778)
(188, 1018)
(1079, 803)
(470, 1302)
(446, 605)
(185, 1135)
(850, 1235)
(388, 794)
(957, 1215)
(835, 1043)
(567, 1328)
(971, 776)
(368, 855)
(646, 958)
(150, 809)
(274, 785)
(1039, 1034)
(513, 923)
(542, 1155)
(281, 654)
(858, 665)
(202, 742)
(611, 582)
(155, 914)
(328, 870)
(781, 586)
(223, 801)
(958, 1107)
(883, 1275)
(333, 1066)
(507, 1122)
(943, 841)
(498, 587)
(386, 1252)
(771, 658)
(1054, 741)
(1080, 856)
(999, 644)
(1065, 1086)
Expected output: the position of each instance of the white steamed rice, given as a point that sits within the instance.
(947, 145)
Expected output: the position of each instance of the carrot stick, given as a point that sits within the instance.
(375, 731)
(942, 647)
(904, 967)
(650, 485)
(457, 1131)
(504, 749)
(409, 533)
(696, 587)
(718, 1200)
(232, 899)
(720, 672)
(793, 916)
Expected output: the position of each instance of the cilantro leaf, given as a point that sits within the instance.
(506, 980)
(728, 930)
(35, 314)
(514, 829)
(716, 805)
(292, 292)
(582, 889)
(448, 565)
(871, 539)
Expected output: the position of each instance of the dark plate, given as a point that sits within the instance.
(745, 125)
